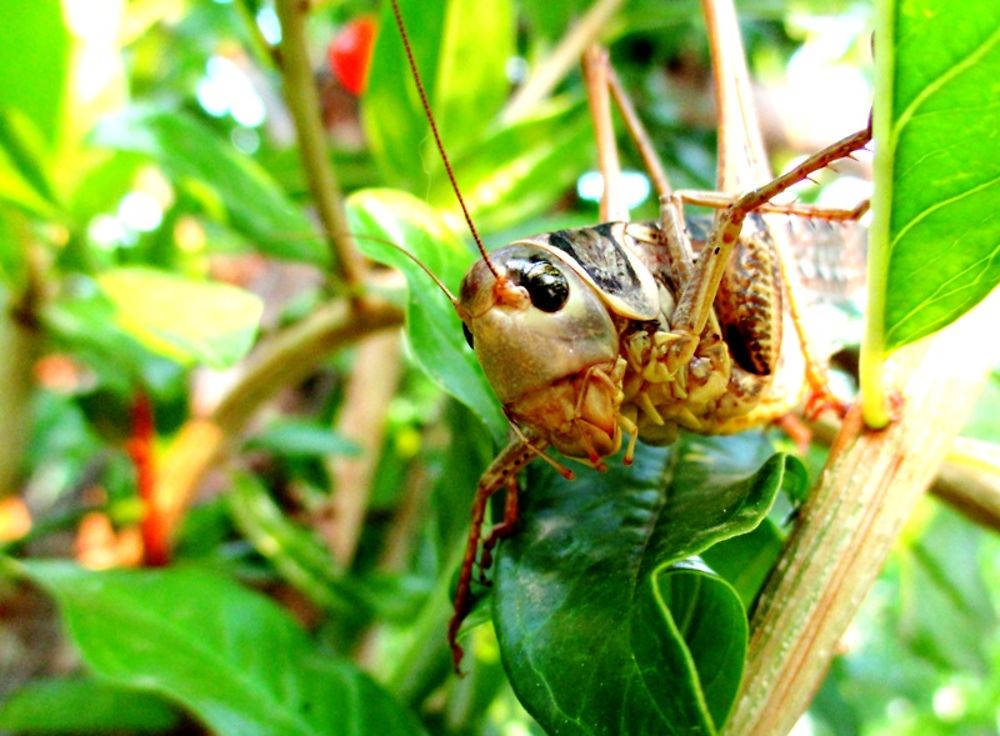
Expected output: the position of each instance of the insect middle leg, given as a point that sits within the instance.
(696, 301)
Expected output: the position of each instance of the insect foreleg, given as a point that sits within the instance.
(511, 515)
(501, 472)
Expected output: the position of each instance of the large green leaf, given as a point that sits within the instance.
(602, 630)
(24, 179)
(461, 48)
(746, 561)
(937, 119)
(34, 61)
(231, 657)
(186, 320)
(188, 150)
(84, 705)
(383, 217)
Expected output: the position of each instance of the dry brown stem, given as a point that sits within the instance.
(283, 360)
(969, 481)
(371, 387)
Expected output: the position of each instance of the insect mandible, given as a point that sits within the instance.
(595, 337)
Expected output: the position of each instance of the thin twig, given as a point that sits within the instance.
(283, 360)
(850, 522)
(969, 481)
(20, 345)
(563, 58)
(301, 96)
(373, 383)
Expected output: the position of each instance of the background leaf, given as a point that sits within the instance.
(518, 171)
(186, 320)
(581, 565)
(433, 327)
(233, 658)
(82, 705)
(462, 72)
(944, 231)
(34, 61)
(188, 150)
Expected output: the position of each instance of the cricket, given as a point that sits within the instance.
(596, 337)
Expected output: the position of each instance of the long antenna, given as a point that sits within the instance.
(437, 137)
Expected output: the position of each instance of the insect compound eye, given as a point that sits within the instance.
(468, 335)
(546, 285)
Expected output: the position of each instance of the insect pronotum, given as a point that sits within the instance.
(595, 337)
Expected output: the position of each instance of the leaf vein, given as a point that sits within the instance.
(923, 215)
(970, 59)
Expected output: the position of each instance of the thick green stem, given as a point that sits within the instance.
(851, 520)
(19, 347)
(873, 396)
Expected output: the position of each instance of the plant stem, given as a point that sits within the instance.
(17, 356)
(873, 348)
(20, 345)
(372, 385)
(301, 96)
(969, 481)
(285, 359)
(850, 522)
(418, 669)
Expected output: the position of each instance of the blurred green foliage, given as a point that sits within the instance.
(156, 224)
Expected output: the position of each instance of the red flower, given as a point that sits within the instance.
(350, 54)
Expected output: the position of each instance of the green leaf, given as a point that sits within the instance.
(746, 561)
(302, 560)
(382, 217)
(461, 48)
(186, 320)
(34, 62)
(24, 180)
(298, 438)
(84, 705)
(938, 161)
(945, 605)
(690, 623)
(574, 587)
(477, 43)
(188, 150)
(232, 658)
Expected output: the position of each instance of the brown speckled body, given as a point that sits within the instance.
(735, 357)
